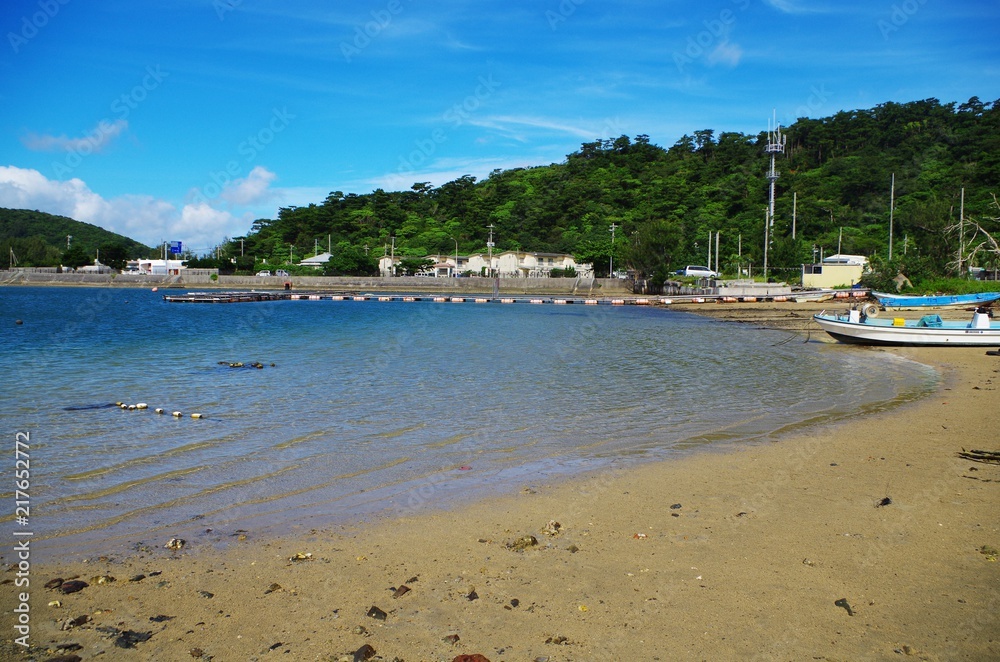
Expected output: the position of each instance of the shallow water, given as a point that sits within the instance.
(376, 407)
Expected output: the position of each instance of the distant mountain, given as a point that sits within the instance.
(39, 239)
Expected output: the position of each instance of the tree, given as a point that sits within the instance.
(411, 266)
(75, 257)
(348, 260)
(114, 255)
(839, 166)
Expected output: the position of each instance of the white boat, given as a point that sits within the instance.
(854, 327)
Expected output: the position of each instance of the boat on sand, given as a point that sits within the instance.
(929, 330)
(934, 301)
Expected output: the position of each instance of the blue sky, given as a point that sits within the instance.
(188, 119)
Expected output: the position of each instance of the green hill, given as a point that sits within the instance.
(666, 202)
(40, 240)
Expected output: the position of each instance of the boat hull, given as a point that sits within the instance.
(883, 332)
(943, 301)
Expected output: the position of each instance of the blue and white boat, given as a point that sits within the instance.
(930, 330)
(945, 300)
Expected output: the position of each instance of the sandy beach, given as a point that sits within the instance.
(867, 540)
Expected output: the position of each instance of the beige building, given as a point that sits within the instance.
(509, 264)
(835, 271)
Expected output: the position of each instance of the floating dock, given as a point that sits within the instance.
(286, 295)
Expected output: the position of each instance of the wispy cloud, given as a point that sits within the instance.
(96, 140)
(726, 53)
(794, 7)
(512, 126)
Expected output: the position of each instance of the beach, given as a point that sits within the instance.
(865, 540)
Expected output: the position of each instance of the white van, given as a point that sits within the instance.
(699, 271)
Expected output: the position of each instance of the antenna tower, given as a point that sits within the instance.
(775, 145)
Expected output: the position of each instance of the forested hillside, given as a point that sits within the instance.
(39, 239)
(665, 202)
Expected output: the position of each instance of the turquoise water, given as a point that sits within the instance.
(375, 407)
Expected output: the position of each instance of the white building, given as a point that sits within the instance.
(519, 264)
(509, 264)
(159, 267)
(95, 268)
(316, 261)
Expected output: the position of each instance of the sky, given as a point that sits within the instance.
(186, 120)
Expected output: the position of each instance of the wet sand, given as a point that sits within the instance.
(867, 540)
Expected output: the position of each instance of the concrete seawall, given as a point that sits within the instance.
(591, 287)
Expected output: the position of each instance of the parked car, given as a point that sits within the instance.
(698, 271)
(281, 272)
(263, 273)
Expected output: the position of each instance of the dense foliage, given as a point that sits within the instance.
(666, 203)
(38, 239)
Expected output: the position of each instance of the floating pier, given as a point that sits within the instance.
(227, 297)
(285, 295)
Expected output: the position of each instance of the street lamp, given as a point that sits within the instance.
(456, 254)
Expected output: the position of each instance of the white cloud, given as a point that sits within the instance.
(726, 53)
(250, 190)
(505, 124)
(96, 140)
(141, 217)
(793, 7)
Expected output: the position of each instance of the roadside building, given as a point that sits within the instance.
(835, 271)
(316, 261)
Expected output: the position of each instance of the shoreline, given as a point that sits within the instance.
(763, 541)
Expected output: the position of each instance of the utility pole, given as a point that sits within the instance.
(611, 262)
(892, 204)
(489, 249)
(795, 205)
(716, 252)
